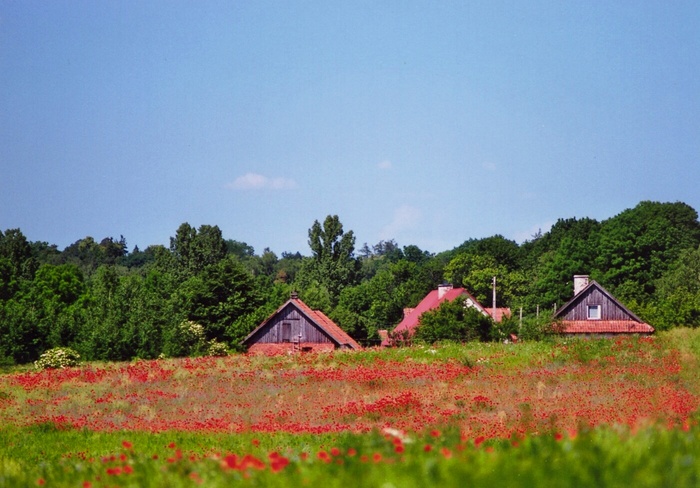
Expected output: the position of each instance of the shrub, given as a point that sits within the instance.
(186, 339)
(531, 328)
(58, 357)
(217, 348)
(451, 321)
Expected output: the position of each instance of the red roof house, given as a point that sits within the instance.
(594, 311)
(296, 327)
(432, 301)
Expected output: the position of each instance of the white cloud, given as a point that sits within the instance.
(255, 181)
(386, 164)
(489, 166)
(405, 217)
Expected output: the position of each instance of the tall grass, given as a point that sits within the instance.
(603, 457)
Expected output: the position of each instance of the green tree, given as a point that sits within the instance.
(126, 314)
(113, 249)
(239, 249)
(194, 249)
(414, 254)
(677, 297)
(551, 260)
(106, 335)
(504, 252)
(638, 245)
(84, 253)
(45, 253)
(268, 263)
(43, 313)
(16, 249)
(584, 229)
(451, 321)
(476, 271)
(137, 259)
(378, 303)
(288, 267)
(552, 280)
(332, 265)
(218, 296)
(9, 283)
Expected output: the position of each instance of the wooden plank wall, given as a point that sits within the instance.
(609, 310)
(272, 332)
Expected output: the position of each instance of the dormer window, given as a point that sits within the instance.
(593, 312)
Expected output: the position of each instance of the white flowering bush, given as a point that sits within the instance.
(186, 339)
(58, 357)
(192, 333)
(217, 348)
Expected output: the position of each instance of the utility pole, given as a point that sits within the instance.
(520, 324)
(494, 296)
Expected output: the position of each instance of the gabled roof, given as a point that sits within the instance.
(432, 301)
(318, 318)
(634, 325)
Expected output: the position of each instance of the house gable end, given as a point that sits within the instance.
(295, 322)
(595, 295)
(594, 311)
(288, 324)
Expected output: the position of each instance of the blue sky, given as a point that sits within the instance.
(425, 122)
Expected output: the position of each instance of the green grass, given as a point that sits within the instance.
(601, 457)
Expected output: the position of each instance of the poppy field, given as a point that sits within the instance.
(568, 413)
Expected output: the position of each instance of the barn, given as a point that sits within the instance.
(295, 327)
(593, 311)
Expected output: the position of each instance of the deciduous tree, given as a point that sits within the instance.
(332, 264)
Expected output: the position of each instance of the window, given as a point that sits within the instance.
(593, 312)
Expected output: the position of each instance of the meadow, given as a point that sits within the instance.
(611, 412)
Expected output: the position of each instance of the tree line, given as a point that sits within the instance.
(111, 304)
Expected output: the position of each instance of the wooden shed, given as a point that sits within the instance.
(594, 311)
(295, 327)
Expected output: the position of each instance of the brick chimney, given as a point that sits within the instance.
(580, 282)
(444, 288)
(384, 337)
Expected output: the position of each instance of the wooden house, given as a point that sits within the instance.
(594, 311)
(432, 300)
(295, 327)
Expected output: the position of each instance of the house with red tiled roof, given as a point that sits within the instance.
(295, 327)
(432, 301)
(594, 311)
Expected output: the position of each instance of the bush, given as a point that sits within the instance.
(58, 357)
(531, 328)
(217, 348)
(186, 339)
(451, 321)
